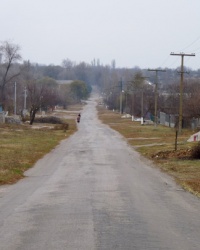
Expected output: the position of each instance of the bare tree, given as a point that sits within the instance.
(64, 95)
(35, 94)
(40, 95)
(68, 64)
(169, 99)
(191, 99)
(10, 55)
(139, 95)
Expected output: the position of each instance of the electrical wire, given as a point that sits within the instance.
(196, 51)
(198, 38)
(164, 62)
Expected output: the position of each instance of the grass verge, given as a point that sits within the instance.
(21, 146)
(158, 144)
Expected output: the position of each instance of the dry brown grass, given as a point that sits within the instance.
(21, 146)
(158, 144)
(77, 107)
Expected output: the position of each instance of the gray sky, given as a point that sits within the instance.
(133, 32)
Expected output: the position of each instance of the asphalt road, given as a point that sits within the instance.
(94, 191)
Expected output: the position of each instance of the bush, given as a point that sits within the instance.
(195, 153)
(60, 123)
(49, 119)
(12, 120)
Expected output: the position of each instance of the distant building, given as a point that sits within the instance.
(64, 81)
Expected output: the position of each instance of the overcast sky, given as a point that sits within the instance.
(133, 32)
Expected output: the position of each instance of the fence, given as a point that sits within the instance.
(167, 120)
(170, 121)
(2, 117)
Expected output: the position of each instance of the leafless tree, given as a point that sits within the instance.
(40, 95)
(140, 95)
(192, 98)
(10, 55)
(35, 96)
(169, 98)
(64, 95)
(68, 64)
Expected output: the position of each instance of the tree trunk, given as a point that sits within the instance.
(32, 114)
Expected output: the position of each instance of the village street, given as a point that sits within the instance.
(94, 191)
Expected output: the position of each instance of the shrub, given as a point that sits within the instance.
(49, 119)
(60, 123)
(195, 152)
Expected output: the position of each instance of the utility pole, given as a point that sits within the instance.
(180, 122)
(156, 94)
(15, 99)
(120, 96)
(142, 97)
(25, 96)
(142, 100)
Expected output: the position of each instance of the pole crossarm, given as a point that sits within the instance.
(182, 54)
(157, 70)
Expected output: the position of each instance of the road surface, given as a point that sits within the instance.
(94, 191)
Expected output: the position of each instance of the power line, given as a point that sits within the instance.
(198, 38)
(165, 61)
(186, 47)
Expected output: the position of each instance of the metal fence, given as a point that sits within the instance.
(167, 119)
(171, 120)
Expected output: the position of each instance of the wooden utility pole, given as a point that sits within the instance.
(180, 121)
(156, 94)
(25, 96)
(142, 96)
(142, 100)
(121, 97)
(15, 99)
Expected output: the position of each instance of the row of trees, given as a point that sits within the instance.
(136, 96)
(38, 87)
(139, 97)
